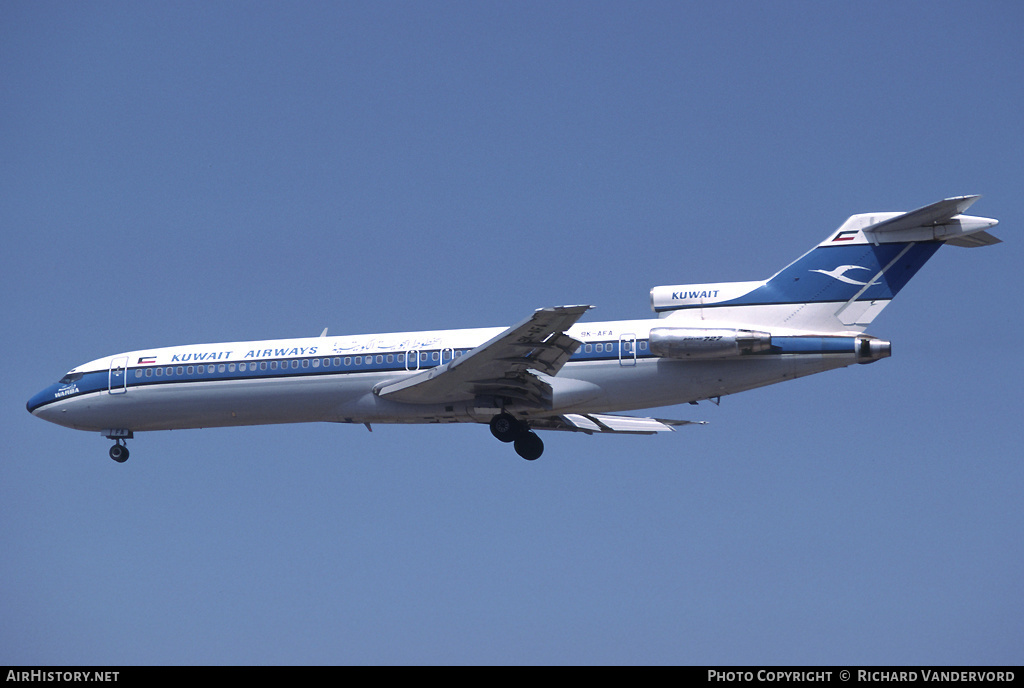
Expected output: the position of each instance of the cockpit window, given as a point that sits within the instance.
(71, 377)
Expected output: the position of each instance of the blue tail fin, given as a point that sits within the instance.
(841, 284)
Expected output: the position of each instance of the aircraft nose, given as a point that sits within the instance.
(39, 399)
(41, 406)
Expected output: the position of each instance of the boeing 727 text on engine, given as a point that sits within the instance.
(548, 372)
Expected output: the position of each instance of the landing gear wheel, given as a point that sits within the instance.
(506, 428)
(119, 453)
(529, 446)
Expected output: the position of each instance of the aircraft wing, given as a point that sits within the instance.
(609, 423)
(501, 367)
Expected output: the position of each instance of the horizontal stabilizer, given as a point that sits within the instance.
(941, 221)
(935, 214)
(975, 240)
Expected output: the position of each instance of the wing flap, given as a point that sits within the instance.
(607, 423)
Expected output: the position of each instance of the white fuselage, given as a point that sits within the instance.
(333, 379)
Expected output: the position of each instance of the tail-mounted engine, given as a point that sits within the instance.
(689, 342)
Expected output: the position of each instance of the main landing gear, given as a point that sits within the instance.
(507, 428)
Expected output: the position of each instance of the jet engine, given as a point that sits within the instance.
(690, 342)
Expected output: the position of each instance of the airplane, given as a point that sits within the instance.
(548, 372)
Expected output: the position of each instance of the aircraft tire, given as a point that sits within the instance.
(529, 446)
(506, 428)
(119, 453)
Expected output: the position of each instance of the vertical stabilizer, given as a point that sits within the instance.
(840, 285)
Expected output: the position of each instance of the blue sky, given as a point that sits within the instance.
(173, 173)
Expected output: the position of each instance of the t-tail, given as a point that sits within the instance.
(840, 285)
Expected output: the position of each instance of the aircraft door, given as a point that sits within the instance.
(412, 360)
(117, 376)
(627, 349)
(447, 355)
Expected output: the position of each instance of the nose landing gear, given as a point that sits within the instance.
(507, 428)
(119, 452)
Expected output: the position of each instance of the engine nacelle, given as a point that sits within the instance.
(692, 342)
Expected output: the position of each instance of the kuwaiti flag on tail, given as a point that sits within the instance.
(846, 235)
